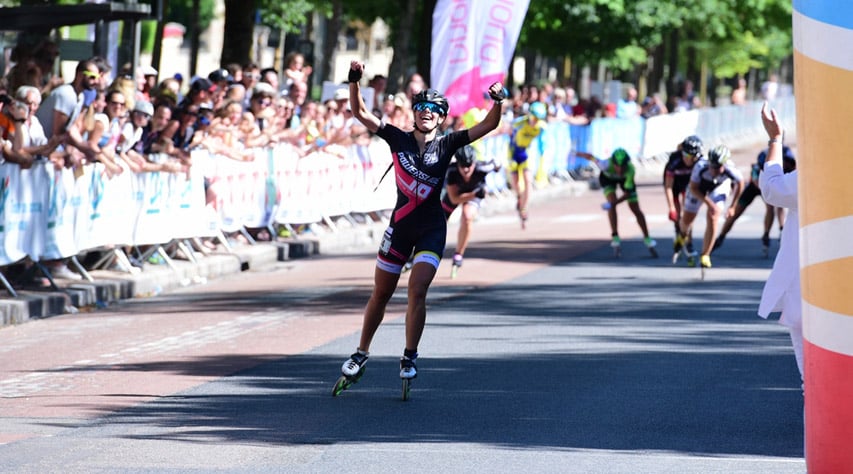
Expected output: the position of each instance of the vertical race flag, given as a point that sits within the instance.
(472, 45)
(823, 73)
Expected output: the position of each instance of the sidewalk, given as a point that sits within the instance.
(109, 287)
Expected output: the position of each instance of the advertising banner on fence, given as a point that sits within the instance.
(472, 45)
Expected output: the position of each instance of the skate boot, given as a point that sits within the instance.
(457, 263)
(765, 244)
(651, 244)
(705, 263)
(408, 371)
(616, 245)
(522, 214)
(351, 372)
(677, 247)
(691, 254)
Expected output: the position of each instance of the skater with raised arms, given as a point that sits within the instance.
(418, 223)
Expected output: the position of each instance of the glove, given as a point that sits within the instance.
(354, 76)
(673, 216)
(480, 192)
(500, 96)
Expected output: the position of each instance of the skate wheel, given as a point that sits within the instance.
(703, 273)
(407, 385)
(653, 252)
(675, 258)
(342, 384)
(453, 272)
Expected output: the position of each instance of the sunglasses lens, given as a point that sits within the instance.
(423, 106)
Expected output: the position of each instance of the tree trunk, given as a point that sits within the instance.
(673, 44)
(401, 62)
(238, 31)
(330, 42)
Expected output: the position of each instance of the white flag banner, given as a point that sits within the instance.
(472, 46)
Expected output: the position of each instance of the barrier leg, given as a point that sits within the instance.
(8, 285)
(81, 269)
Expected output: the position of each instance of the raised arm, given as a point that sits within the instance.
(493, 118)
(359, 109)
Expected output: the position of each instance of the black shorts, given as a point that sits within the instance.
(749, 194)
(397, 245)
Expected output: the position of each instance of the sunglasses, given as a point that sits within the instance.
(424, 106)
(91, 74)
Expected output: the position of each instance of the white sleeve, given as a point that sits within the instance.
(778, 188)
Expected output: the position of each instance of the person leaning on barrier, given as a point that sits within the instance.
(34, 142)
(60, 113)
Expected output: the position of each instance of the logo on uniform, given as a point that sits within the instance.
(430, 158)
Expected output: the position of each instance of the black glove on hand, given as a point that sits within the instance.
(354, 76)
(480, 192)
(500, 96)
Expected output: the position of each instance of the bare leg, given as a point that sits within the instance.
(469, 213)
(419, 281)
(611, 214)
(384, 284)
(641, 218)
(711, 229)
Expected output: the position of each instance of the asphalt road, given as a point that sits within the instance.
(547, 354)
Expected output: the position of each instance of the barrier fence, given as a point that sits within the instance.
(48, 214)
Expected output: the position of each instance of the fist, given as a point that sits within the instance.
(498, 92)
(673, 216)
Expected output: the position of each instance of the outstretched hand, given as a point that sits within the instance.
(771, 122)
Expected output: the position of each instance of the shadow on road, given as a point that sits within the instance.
(604, 360)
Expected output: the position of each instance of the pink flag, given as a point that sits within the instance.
(472, 46)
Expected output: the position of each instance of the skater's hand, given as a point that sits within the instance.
(480, 192)
(771, 123)
(498, 92)
(673, 215)
(356, 69)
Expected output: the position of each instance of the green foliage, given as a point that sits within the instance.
(292, 15)
(734, 35)
(180, 11)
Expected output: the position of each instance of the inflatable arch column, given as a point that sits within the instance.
(823, 81)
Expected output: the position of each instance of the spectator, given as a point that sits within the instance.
(379, 83)
(295, 69)
(236, 72)
(107, 131)
(414, 84)
(222, 79)
(60, 111)
(653, 106)
(148, 84)
(739, 93)
(270, 76)
(686, 99)
(251, 76)
(770, 88)
(298, 93)
(628, 107)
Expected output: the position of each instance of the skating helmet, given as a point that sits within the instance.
(789, 160)
(692, 145)
(718, 156)
(538, 110)
(465, 156)
(431, 96)
(620, 157)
